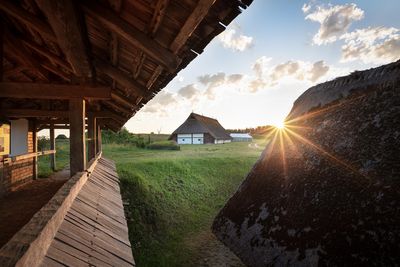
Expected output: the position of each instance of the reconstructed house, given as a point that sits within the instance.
(86, 65)
(198, 129)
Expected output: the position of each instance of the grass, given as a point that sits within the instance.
(62, 159)
(174, 195)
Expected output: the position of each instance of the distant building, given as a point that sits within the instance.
(241, 137)
(198, 129)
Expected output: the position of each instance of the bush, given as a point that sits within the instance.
(43, 143)
(164, 145)
(61, 136)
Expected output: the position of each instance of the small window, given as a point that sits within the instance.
(199, 139)
(183, 139)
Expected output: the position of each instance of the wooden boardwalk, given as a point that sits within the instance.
(94, 231)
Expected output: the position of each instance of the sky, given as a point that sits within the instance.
(251, 74)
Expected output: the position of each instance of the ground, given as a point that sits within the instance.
(26, 200)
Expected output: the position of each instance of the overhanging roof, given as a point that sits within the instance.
(133, 48)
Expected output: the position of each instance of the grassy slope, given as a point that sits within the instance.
(174, 195)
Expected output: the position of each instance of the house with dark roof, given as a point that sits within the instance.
(198, 129)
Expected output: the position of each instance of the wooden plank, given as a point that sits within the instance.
(197, 16)
(53, 91)
(91, 136)
(122, 100)
(107, 114)
(28, 19)
(35, 150)
(115, 23)
(66, 21)
(132, 86)
(52, 147)
(77, 136)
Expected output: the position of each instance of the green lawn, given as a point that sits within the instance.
(174, 195)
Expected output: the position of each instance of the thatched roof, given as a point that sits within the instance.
(196, 123)
(117, 54)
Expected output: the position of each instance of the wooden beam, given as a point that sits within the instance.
(1, 50)
(138, 63)
(25, 58)
(154, 77)
(158, 15)
(33, 113)
(197, 16)
(52, 147)
(106, 114)
(46, 53)
(115, 23)
(66, 21)
(98, 138)
(130, 84)
(122, 100)
(28, 19)
(91, 136)
(77, 144)
(35, 149)
(53, 91)
(118, 107)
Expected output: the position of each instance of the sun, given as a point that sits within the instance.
(279, 125)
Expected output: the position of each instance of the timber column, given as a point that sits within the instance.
(98, 139)
(52, 147)
(77, 146)
(92, 139)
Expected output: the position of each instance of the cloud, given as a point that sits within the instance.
(232, 39)
(235, 78)
(189, 91)
(378, 45)
(160, 103)
(306, 8)
(334, 21)
(268, 75)
(318, 70)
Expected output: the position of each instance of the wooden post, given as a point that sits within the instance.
(77, 146)
(52, 147)
(35, 149)
(98, 133)
(91, 136)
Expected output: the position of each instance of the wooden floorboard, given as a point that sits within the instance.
(94, 231)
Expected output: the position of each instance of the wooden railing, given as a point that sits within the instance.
(28, 156)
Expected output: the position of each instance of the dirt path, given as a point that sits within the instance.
(212, 253)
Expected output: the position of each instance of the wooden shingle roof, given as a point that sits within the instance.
(196, 123)
(116, 53)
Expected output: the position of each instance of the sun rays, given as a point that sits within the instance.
(287, 137)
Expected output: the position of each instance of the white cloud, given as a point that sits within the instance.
(267, 75)
(160, 103)
(306, 8)
(232, 39)
(189, 91)
(378, 45)
(334, 21)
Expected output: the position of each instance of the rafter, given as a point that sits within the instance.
(133, 86)
(122, 100)
(67, 24)
(154, 77)
(28, 19)
(197, 16)
(158, 16)
(53, 91)
(24, 57)
(116, 24)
